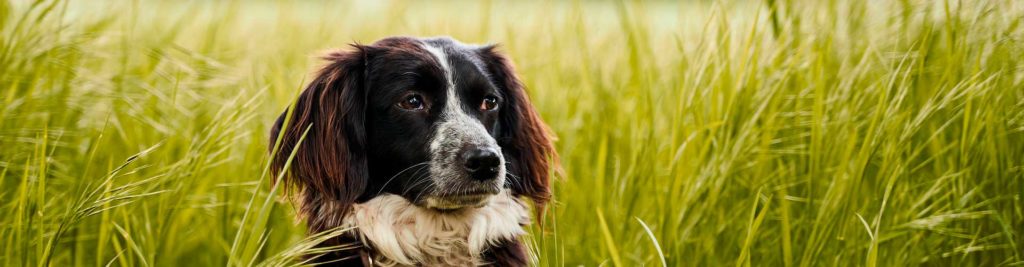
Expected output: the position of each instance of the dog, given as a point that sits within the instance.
(427, 148)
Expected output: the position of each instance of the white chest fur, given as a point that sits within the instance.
(404, 234)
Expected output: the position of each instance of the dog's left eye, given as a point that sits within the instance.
(490, 103)
(412, 102)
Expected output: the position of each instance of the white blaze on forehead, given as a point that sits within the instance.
(453, 111)
(453, 107)
(442, 59)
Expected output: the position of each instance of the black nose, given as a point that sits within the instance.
(482, 163)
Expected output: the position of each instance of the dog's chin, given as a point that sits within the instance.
(457, 202)
(477, 197)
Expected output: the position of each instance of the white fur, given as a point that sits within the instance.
(403, 234)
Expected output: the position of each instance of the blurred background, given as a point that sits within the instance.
(692, 133)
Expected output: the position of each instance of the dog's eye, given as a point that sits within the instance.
(412, 102)
(490, 103)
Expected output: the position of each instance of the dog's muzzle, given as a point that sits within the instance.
(467, 166)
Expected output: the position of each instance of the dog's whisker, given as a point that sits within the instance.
(417, 179)
(418, 196)
(400, 173)
(518, 181)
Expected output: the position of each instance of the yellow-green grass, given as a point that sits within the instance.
(776, 132)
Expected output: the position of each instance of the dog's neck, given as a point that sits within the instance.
(401, 233)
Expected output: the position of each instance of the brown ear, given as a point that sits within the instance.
(329, 168)
(523, 137)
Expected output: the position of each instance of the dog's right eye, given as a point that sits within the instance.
(412, 102)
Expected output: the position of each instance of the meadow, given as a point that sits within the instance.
(700, 133)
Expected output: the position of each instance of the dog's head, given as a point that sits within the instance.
(443, 124)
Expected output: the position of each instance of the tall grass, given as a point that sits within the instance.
(781, 132)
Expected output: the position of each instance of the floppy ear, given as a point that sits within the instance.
(329, 167)
(523, 137)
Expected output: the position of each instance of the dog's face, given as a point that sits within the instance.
(443, 124)
(432, 118)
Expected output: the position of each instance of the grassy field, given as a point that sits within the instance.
(710, 133)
